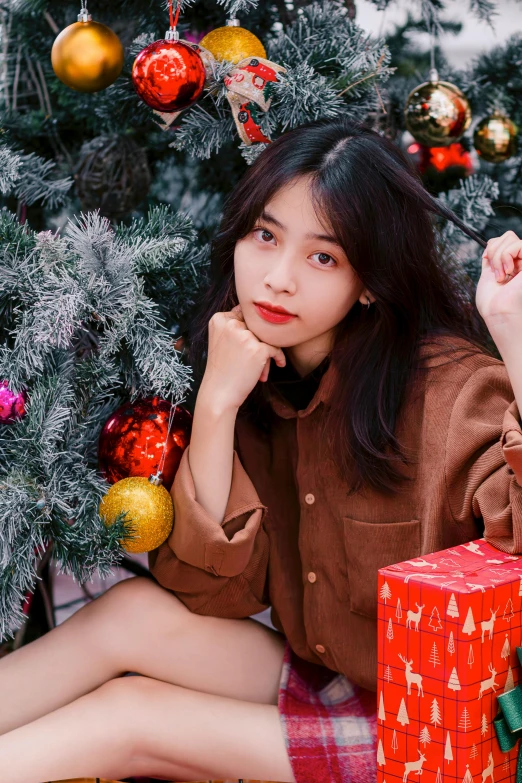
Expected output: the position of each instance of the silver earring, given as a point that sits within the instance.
(368, 303)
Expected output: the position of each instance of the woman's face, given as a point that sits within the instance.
(290, 259)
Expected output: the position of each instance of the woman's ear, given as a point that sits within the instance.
(363, 299)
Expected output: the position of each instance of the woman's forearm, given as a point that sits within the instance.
(506, 333)
(211, 453)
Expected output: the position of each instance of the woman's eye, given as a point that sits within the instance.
(324, 258)
(266, 235)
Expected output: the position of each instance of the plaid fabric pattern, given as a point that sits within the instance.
(329, 724)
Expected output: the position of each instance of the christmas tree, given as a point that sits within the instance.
(83, 329)
(110, 207)
(435, 715)
(385, 592)
(402, 715)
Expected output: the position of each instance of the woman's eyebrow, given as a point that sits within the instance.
(324, 237)
(266, 216)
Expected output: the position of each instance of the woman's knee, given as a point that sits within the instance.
(137, 599)
(131, 610)
(122, 701)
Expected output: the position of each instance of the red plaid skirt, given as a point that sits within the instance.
(329, 724)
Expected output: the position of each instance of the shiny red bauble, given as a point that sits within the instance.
(132, 440)
(12, 406)
(441, 158)
(168, 75)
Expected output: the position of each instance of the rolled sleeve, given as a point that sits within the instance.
(222, 549)
(511, 441)
(484, 458)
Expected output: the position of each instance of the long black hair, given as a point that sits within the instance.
(384, 219)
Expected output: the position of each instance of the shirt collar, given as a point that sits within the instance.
(286, 410)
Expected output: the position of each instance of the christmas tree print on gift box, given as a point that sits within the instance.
(449, 624)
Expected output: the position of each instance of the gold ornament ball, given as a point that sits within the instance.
(233, 44)
(495, 138)
(149, 509)
(437, 113)
(87, 56)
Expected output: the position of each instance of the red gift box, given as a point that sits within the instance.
(448, 624)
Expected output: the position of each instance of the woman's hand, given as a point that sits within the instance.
(236, 361)
(499, 301)
(499, 290)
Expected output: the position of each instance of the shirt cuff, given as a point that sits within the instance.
(511, 440)
(198, 539)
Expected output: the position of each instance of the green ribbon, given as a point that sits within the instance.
(508, 723)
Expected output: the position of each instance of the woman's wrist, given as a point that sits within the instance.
(213, 403)
(507, 332)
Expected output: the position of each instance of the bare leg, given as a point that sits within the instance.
(140, 627)
(141, 726)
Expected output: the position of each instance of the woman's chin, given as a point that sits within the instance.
(273, 334)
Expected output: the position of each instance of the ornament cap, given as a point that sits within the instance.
(434, 76)
(234, 22)
(172, 34)
(156, 478)
(84, 16)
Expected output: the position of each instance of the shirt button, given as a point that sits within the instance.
(312, 577)
(320, 648)
(310, 498)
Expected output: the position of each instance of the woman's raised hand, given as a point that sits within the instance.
(236, 360)
(499, 290)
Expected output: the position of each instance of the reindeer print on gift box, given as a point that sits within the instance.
(488, 625)
(414, 617)
(488, 772)
(411, 677)
(489, 682)
(456, 643)
(413, 766)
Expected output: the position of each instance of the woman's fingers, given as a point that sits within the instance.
(236, 313)
(509, 257)
(502, 254)
(266, 369)
(277, 354)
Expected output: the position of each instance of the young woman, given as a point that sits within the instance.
(382, 430)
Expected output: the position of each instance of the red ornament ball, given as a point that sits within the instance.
(132, 440)
(168, 75)
(442, 158)
(12, 406)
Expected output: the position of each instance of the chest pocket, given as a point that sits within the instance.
(370, 546)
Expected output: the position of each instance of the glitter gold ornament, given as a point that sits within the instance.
(437, 113)
(87, 56)
(233, 43)
(149, 509)
(495, 138)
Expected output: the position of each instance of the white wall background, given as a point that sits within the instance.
(476, 37)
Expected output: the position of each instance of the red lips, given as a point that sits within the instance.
(273, 313)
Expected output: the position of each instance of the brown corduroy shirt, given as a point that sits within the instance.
(294, 540)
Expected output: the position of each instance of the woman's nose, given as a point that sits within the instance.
(281, 276)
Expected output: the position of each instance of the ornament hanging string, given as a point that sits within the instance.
(161, 463)
(174, 17)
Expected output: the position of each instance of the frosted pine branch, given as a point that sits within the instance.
(235, 7)
(10, 164)
(29, 178)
